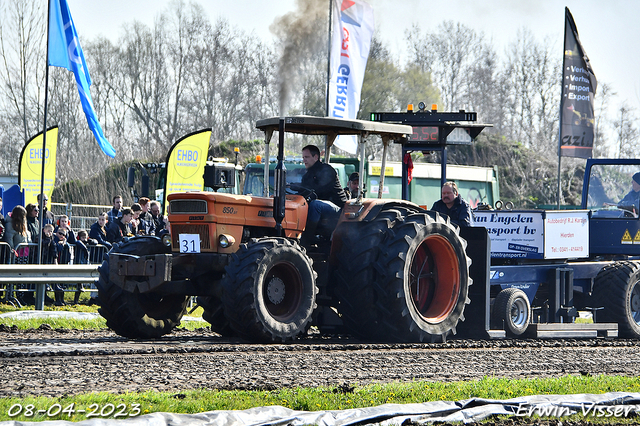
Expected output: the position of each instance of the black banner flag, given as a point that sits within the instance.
(578, 89)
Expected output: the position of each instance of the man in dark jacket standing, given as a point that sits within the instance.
(453, 205)
(48, 216)
(116, 211)
(328, 197)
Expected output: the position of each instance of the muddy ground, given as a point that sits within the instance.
(58, 362)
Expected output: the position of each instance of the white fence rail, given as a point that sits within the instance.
(48, 274)
(37, 277)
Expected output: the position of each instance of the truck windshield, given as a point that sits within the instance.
(609, 184)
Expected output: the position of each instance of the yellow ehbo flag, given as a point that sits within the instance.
(30, 170)
(185, 164)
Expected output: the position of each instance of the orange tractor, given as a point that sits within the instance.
(387, 271)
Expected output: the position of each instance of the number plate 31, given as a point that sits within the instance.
(189, 243)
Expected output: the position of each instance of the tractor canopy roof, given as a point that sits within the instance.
(332, 127)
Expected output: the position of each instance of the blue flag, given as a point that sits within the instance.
(64, 51)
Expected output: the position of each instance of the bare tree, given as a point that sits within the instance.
(381, 81)
(22, 69)
(626, 132)
(534, 77)
(601, 146)
(547, 75)
(450, 55)
(184, 73)
(211, 63)
(483, 89)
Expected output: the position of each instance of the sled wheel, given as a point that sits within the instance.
(512, 309)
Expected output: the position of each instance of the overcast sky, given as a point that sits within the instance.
(608, 29)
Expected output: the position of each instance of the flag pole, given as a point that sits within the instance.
(44, 136)
(564, 57)
(559, 165)
(40, 293)
(326, 97)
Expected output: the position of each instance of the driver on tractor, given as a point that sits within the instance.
(322, 189)
(631, 201)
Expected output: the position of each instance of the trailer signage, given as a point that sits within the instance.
(566, 234)
(513, 234)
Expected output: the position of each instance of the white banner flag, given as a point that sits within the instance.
(350, 44)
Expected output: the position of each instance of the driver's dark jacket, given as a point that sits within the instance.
(631, 199)
(459, 213)
(323, 180)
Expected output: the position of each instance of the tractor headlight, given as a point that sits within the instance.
(226, 241)
(166, 240)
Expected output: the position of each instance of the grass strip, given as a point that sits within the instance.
(345, 396)
(73, 323)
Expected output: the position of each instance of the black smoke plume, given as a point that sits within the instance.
(302, 33)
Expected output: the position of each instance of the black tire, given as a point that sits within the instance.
(428, 308)
(138, 315)
(617, 289)
(214, 315)
(512, 310)
(270, 290)
(357, 268)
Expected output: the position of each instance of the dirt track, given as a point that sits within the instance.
(50, 362)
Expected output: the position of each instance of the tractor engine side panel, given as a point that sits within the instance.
(210, 214)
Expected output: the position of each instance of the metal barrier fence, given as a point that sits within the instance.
(81, 216)
(20, 272)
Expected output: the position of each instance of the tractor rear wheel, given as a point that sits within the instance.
(358, 268)
(512, 308)
(270, 290)
(138, 315)
(617, 289)
(426, 280)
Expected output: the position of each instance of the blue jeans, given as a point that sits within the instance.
(321, 209)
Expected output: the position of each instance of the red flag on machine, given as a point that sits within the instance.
(409, 162)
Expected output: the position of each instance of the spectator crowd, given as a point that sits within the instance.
(62, 245)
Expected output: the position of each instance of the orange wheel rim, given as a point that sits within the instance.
(435, 279)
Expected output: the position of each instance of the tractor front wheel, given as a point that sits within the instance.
(270, 290)
(138, 315)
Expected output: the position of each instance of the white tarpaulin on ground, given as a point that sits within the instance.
(587, 406)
